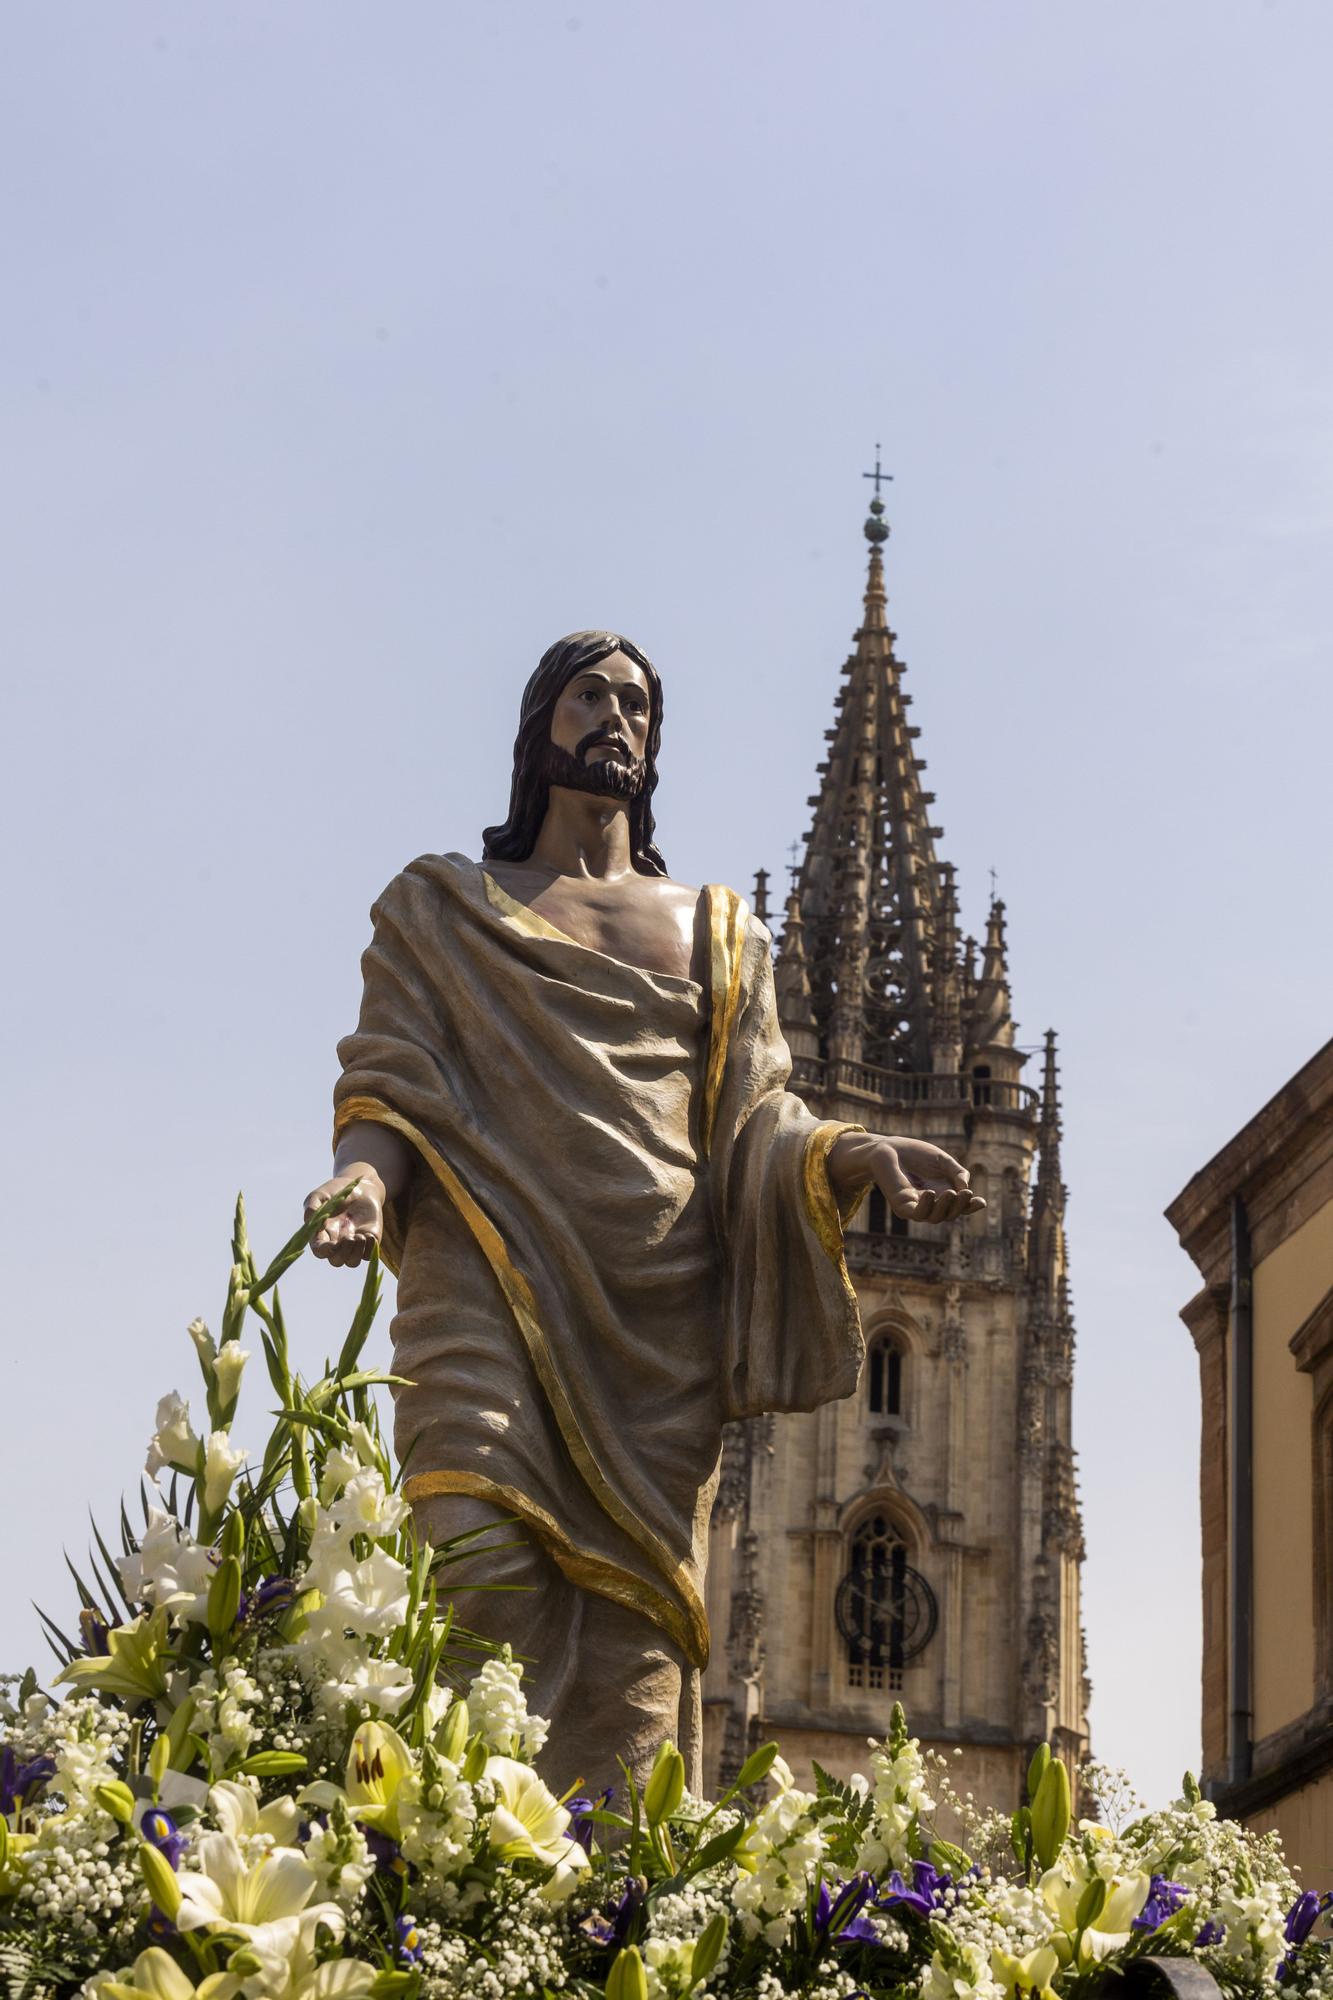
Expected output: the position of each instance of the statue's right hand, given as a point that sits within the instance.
(348, 1236)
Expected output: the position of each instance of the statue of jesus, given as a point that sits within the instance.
(614, 1228)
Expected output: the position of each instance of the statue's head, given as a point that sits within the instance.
(565, 737)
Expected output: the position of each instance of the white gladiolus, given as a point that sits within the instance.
(173, 1446)
(222, 1462)
(170, 1568)
(368, 1598)
(228, 1369)
(366, 1506)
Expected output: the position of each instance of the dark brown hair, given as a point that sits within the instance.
(530, 791)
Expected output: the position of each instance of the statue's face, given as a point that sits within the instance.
(602, 718)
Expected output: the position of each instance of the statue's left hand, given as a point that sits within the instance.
(920, 1182)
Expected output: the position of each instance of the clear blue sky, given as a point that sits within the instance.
(351, 354)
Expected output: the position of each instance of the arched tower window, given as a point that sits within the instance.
(884, 1377)
(881, 1219)
(886, 1610)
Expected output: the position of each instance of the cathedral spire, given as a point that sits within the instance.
(991, 1026)
(791, 980)
(870, 888)
(1047, 1238)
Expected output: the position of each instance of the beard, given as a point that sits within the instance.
(620, 777)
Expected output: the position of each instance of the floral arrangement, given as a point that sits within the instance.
(270, 1766)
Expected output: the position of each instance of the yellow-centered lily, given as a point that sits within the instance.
(1031, 1974)
(530, 1824)
(134, 1665)
(378, 1765)
(1062, 1890)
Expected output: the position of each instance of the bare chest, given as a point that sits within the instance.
(641, 920)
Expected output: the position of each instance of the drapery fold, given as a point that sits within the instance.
(620, 1235)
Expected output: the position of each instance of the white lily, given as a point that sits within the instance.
(1061, 1889)
(1030, 1974)
(379, 1765)
(157, 1976)
(267, 1901)
(239, 1813)
(173, 1445)
(530, 1824)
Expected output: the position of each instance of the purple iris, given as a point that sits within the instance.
(1304, 1914)
(611, 1924)
(161, 1832)
(1212, 1933)
(388, 1855)
(580, 1810)
(925, 1894)
(838, 1914)
(20, 1783)
(275, 1593)
(408, 1941)
(1164, 1899)
(96, 1631)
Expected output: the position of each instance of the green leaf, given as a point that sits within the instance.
(720, 1848)
(359, 1330)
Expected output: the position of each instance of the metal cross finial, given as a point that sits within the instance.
(877, 475)
(794, 866)
(994, 881)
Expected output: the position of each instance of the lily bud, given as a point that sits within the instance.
(224, 1599)
(451, 1738)
(159, 1762)
(273, 1763)
(627, 1979)
(160, 1878)
(116, 1799)
(666, 1785)
(474, 1764)
(708, 1948)
(1051, 1813)
(756, 1766)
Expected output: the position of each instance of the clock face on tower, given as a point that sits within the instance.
(886, 1611)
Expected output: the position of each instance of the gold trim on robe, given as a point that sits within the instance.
(727, 918)
(519, 1298)
(589, 1572)
(828, 1216)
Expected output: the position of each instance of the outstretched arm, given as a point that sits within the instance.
(919, 1181)
(382, 1163)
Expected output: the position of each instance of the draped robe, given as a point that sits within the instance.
(620, 1235)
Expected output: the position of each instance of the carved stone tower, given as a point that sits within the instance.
(922, 1540)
